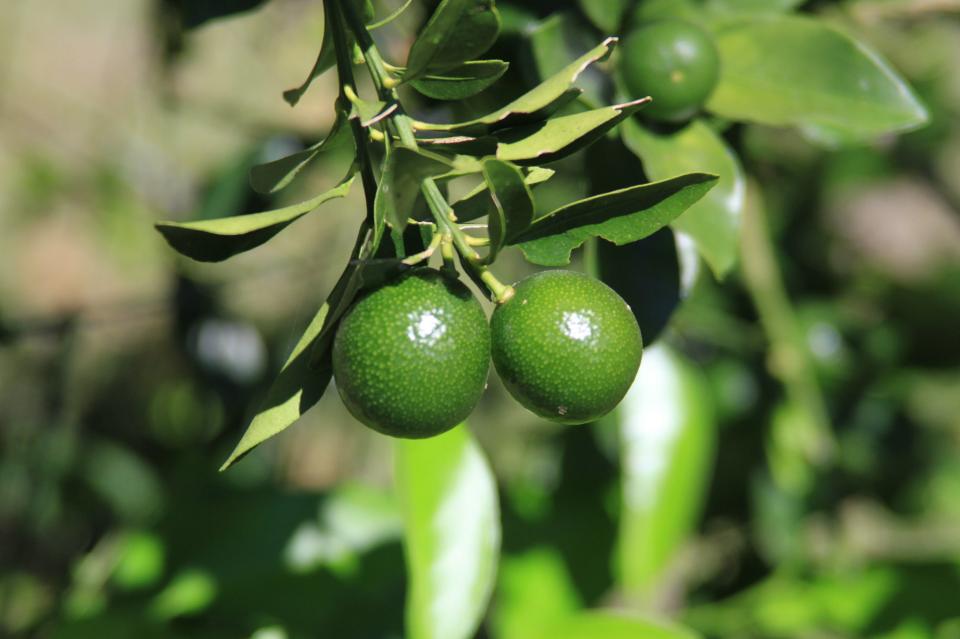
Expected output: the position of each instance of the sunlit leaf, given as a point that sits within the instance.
(535, 105)
(561, 136)
(610, 625)
(218, 239)
(621, 216)
(667, 441)
(512, 203)
(272, 176)
(461, 82)
(452, 533)
(458, 31)
(714, 221)
(792, 70)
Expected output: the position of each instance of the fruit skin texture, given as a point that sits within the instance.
(411, 358)
(674, 62)
(566, 346)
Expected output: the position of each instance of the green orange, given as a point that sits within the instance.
(411, 358)
(674, 62)
(566, 346)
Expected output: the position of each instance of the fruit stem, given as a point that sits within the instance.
(425, 254)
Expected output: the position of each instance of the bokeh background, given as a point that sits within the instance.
(127, 373)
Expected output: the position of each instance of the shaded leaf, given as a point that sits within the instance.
(535, 105)
(621, 216)
(218, 239)
(452, 533)
(458, 31)
(667, 446)
(461, 82)
(477, 202)
(391, 17)
(791, 70)
(326, 58)
(714, 222)
(403, 172)
(512, 203)
(270, 177)
(559, 137)
(606, 15)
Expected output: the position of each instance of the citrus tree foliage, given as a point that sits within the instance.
(774, 67)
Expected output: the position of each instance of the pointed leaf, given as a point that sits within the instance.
(326, 58)
(667, 445)
(461, 82)
(621, 216)
(270, 177)
(538, 103)
(512, 203)
(791, 70)
(606, 15)
(216, 240)
(404, 170)
(559, 137)
(452, 533)
(458, 31)
(477, 202)
(714, 222)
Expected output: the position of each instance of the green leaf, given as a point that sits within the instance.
(714, 222)
(667, 447)
(535, 105)
(452, 533)
(391, 17)
(791, 70)
(606, 15)
(216, 240)
(461, 82)
(559, 137)
(621, 216)
(477, 202)
(610, 625)
(325, 59)
(270, 177)
(295, 390)
(404, 171)
(458, 31)
(512, 203)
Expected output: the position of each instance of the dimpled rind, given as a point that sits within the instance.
(566, 346)
(674, 62)
(411, 358)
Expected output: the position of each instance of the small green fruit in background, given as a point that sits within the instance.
(566, 346)
(674, 62)
(410, 359)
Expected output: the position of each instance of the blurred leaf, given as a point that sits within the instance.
(458, 31)
(621, 216)
(538, 103)
(477, 202)
(140, 562)
(667, 434)
(127, 483)
(452, 538)
(197, 12)
(188, 593)
(606, 15)
(512, 203)
(270, 177)
(534, 590)
(609, 625)
(791, 70)
(714, 222)
(404, 171)
(218, 239)
(390, 17)
(461, 82)
(561, 136)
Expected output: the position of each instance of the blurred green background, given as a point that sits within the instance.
(127, 374)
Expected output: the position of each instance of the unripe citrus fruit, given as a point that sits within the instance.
(674, 62)
(410, 359)
(566, 346)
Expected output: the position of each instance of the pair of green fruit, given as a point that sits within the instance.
(411, 358)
